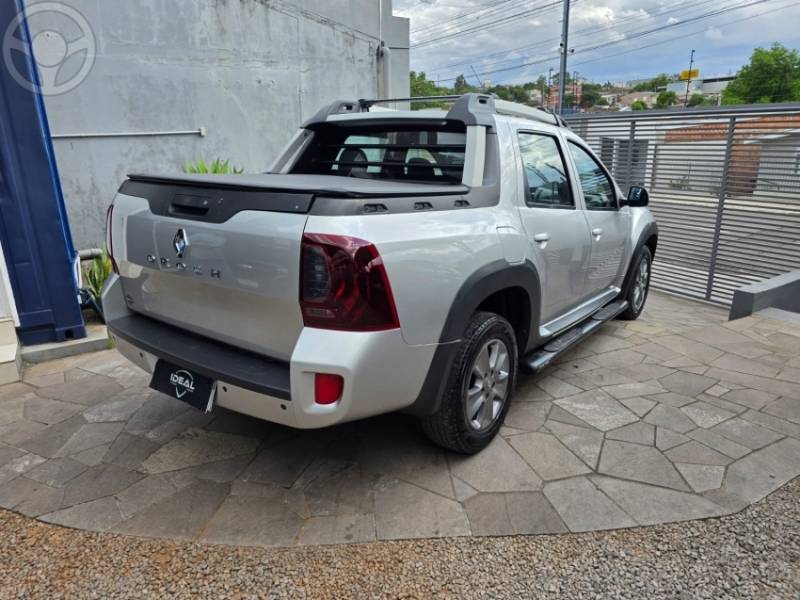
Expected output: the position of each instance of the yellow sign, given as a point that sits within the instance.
(693, 74)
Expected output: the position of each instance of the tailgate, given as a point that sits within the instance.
(219, 262)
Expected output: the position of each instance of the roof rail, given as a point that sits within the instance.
(472, 109)
(367, 104)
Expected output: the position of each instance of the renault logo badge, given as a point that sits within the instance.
(180, 242)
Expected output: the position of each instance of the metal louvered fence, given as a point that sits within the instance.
(724, 186)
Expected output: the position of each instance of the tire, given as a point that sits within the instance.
(488, 338)
(638, 285)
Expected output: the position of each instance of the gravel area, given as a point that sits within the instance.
(753, 554)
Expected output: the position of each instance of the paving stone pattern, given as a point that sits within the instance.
(680, 415)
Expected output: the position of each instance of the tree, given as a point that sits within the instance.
(653, 84)
(421, 86)
(591, 95)
(666, 99)
(639, 105)
(698, 100)
(772, 75)
(461, 86)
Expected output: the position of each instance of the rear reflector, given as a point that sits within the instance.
(344, 286)
(327, 388)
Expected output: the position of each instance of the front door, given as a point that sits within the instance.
(555, 227)
(608, 225)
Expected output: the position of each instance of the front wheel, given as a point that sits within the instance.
(639, 285)
(479, 387)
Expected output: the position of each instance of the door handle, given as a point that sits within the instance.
(597, 232)
(540, 238)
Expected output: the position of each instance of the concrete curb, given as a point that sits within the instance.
(782, 292)
(96, 339)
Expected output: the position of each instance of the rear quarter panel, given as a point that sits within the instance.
(427, 256)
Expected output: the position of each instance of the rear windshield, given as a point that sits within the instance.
(420, 154)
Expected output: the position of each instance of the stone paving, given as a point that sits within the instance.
(680, 415)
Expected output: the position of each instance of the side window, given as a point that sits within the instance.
(598, 192)
(545, 172)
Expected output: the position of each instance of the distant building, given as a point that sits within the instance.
(690, 159)
(535, 96)
(611, 98)
(573, 89)
(626, 100)
(710, 87)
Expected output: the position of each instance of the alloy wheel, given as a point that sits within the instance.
(487, 389)
(640, 284)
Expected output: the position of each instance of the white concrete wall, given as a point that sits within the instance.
(8, 308)
(249, 71)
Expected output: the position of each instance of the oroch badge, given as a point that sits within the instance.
(180, 242)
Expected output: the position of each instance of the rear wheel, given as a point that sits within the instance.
(479, 388)
(639, 285)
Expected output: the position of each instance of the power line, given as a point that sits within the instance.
(629, 35)
(491, 24)
(690, 34)
(476, 12)
(593, 31)
(627, 38)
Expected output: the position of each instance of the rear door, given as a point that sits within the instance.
(608, 225)
(554, 224)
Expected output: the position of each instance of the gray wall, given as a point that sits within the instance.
(249, 71)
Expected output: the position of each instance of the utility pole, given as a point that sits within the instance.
(541, 100)
(688, 79)
(478, 79)
(549, 86)
(575, 88)
(562, 76)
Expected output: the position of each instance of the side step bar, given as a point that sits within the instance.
(539, 359)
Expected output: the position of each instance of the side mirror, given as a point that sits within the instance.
(637, 197)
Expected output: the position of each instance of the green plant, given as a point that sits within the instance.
(666, 99)
(699, 100)
(217, 167)
(96, 274)
(772, 75)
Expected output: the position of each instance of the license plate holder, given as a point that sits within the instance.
(185, 385)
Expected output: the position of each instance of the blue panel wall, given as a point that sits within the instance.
(33, 224)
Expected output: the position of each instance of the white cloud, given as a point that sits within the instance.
(594, 15)
(722, 45)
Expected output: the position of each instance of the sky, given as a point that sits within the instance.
(613, 40)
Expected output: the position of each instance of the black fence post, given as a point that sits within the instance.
(723, 192)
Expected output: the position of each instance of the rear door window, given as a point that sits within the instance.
(546, 180)
(422, 154)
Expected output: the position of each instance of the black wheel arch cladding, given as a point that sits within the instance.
(650, 232)
(481, 285)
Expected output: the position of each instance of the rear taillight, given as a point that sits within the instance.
(109, 239)
(343, 285)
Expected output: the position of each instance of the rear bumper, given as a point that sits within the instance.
(381, 372)
(203, 355)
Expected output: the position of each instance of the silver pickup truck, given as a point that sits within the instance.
(390, 261)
